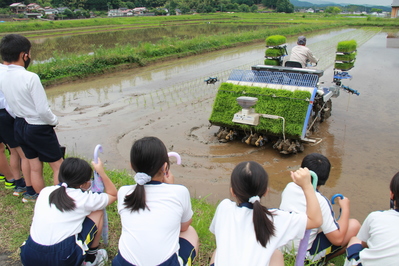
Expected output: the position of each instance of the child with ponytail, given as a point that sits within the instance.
(68, 218)
(155, 213)
(247, 233)
(377, 242)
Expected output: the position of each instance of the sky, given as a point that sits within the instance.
(360, 2)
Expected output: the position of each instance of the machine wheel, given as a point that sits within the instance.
(326, 112)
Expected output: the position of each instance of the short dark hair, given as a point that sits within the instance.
(394, 187)
(249, 179)
(147, 155)
(319, 164)
(12, 45)
(74, 172)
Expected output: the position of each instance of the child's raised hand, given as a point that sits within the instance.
(98, 167)
(301, 177)
(343, 203)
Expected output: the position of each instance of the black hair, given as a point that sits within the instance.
(74, 172)
(12, 45)
(249, 179)
(319, 164)
(394, 187)
(147, 155)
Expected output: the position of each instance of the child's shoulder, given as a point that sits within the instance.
(383, 214)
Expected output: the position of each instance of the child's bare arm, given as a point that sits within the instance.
(337, 237)
(301, 177)
(110, 188)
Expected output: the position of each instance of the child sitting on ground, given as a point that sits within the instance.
(377, 242)
(155, 213)
(68, 219)
(331, 238)
(247, 233)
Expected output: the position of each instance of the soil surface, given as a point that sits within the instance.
(171, 101)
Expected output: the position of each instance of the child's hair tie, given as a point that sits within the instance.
(142, 178)
(253, 199)
(63, 184)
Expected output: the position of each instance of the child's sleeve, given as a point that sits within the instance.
(186, 204)
(364, 232)
(40, 101)
(96, 201)
(215, 219)
(289, 225)
(329, 223)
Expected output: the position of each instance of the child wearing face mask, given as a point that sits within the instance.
(34, 123)
(68, 219)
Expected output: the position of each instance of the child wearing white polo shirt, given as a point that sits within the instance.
(68, 219)
(377, 242)
(247, 233)
(155, 213)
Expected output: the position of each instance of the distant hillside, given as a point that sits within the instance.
(324, 4)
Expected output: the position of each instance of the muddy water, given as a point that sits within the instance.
(170, 101)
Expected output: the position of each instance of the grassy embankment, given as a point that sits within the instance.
(63, 68)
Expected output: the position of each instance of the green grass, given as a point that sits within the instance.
(290, 105)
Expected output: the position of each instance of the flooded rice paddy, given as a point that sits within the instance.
(170, 100)
(85, 42)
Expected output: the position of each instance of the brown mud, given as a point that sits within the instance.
(170, 100)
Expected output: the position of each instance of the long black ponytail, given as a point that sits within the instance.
(249, 180)
(147, 156)
(394, 187)
(73, 173)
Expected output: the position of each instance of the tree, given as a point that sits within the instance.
(270, 3)
(333, 10)
(284, 6)
(243, 8)
(378, 10)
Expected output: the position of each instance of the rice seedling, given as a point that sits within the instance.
(290, 105)
(346, 46)
(275, 40)
(272, 62)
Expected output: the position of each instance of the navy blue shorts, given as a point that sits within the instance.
(67, 252)
(7, 129)
(37, 141)
(352, 253)
(186, 253)
(322, 248)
